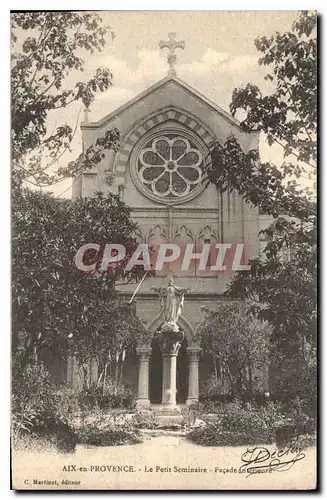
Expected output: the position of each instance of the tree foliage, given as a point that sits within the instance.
(47, 50)
(238, 345)
(54, 306)
(289, 114)
(262, 184)
(282, 288)
(282, 281)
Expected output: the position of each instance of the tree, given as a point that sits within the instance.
(47, 49)
(289, 114)
(107, 346)
(282, 291)
(238, 345)
(55, 307)
(52, 301)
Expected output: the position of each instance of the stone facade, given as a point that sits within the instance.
(167, 111)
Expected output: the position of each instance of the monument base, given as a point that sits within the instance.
(168, 416)
(169, 410)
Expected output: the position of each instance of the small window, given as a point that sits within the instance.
(208, 241)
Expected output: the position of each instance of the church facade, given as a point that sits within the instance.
(166, 133)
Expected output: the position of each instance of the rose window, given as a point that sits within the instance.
(170, 166)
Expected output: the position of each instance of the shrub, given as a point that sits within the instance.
(35, 409)
(238, 416)
(212, 435)
(32, 398)
(295, 377)
(238, 423)
(305, 441)
(35, 444)
(46, 413)
(67, 401)
(300, 416)
(56, 432)
(249, 423)
(108, 435)
(113, 397)
(145, 420)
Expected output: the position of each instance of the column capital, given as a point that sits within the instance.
(193, 352)
(170, 342)
(144, 352)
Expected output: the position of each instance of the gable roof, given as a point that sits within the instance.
(153, 88)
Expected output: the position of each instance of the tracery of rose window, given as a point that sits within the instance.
(170, 166)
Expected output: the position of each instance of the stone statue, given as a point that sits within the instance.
(172, 301)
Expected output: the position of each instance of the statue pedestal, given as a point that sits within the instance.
(169, 362)
(170, 337)
(170, 342)
(169, 415)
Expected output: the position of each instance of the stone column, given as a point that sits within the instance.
(193, 375)
(143, 378)
(169, 379)
(170, 343)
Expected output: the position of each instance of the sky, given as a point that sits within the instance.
(219, 55)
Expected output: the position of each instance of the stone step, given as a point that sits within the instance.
(149, 433)
(170, 421)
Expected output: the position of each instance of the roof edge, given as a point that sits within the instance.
(100, 123)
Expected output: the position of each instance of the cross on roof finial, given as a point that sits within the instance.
(172, 44)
